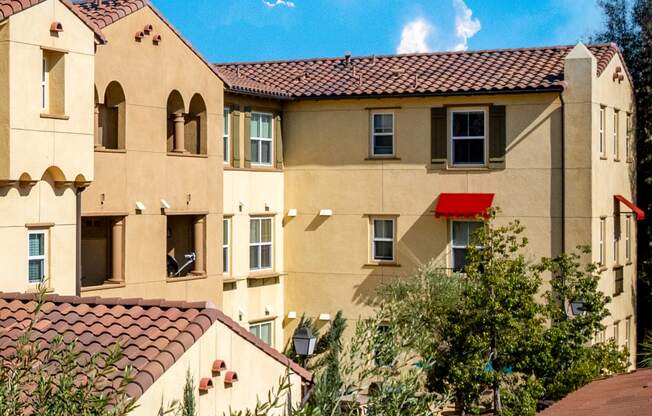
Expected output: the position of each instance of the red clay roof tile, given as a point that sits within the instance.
(441, 73)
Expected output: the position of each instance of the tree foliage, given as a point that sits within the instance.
(55, 379)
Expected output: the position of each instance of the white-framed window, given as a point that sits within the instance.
(601, 244)
(261, 138)
(260, 243)
(616, 240)
(45, 77)
(601, 137)
(469, 136)
(628, 332)
(616, 332)
(616, 135)
(628, 137)
(461, 238)
(263, 330)
(383, 232)
(37, 249)
(226, 245)
(226, 135)
(382, 134)
(628, 238)
(600, 337)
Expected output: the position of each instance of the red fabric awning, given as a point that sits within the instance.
(463, 205)
(640, 215)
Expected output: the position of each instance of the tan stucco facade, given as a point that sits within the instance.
(46, 144)
(328, 167)
(158, 193)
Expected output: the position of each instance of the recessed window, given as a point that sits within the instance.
(261, 139)
(382, 134)
(226, 244)
(37, 247)
(601, 133)
(44, 83)
(260, 243)
(628, 333)
(619, 280)
(616, 240)
(52, 82)
(462, 237)
(382, 246)
(628, 238)
(262, 330)
(468, 137)
(227, 130)
(616, 136)
(601, 243)
(616, 332)
(628, 138)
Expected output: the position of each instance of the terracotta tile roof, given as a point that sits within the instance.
(441, 73)
(623, 395)
(11, 7)
(153, 333)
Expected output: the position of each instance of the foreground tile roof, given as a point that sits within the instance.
(623, 395)
(153, 333)
(488, 71)
(110, 11)
(11, 7)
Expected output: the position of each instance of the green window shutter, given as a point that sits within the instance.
(235, 136)
(278, 140)
(438, 138)
(247, 137)
(497, 137)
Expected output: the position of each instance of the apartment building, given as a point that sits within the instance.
(387, 161)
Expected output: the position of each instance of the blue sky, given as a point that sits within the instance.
(246, 30)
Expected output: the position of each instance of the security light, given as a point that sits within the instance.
(304, 342)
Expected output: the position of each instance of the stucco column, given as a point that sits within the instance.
(179, 127)
(198, 267)
(98, 129)
(117, 252)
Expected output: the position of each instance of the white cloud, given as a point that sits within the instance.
(272, 3)
(465, 25)
(414, 37)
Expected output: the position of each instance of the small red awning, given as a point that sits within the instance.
(463, 205)
(640, 215)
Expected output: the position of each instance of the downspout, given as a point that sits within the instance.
(563, 172)
(78, 229)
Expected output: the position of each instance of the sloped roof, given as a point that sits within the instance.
(153, 334)
(11, 7)
(487, 71)
(623, 395)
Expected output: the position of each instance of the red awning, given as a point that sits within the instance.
(640, 215)
(463, 205)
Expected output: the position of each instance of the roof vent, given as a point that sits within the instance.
(157, 39)
(148, 29)
(397, 71)
(139, 36)
(347, 58)
(205, 384)
(218, 366)
(99, 3)
(373, 60)
(56, 27)
(230, 377)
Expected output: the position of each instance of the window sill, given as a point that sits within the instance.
(254, 169)
(186, 154)
(602, 268)
(467, 168)
(269, 318)
(55, 116)
(382, 158)
(188, 278)
(107, 285)
(604, 158)
(232, 279)
(101, 149)
(263, 275)
(383, 264)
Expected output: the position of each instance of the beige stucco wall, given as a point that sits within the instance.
(40, 149)
(251, 297)
(326, 167)
(144, 171)
(257, 372)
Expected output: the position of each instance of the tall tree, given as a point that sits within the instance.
(629, 24)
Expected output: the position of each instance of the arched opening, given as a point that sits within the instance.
(175, 123)
(195, 126)
(112, 117)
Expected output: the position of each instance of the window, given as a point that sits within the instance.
(628, 138)
(226, 242)
(616, 240)
(261, 139)
(628, 332)
(44, 84)
(600, 337)
(260, 243)
(382, 134)
(262, 330)
(102, 250)
(601, 245)
(462, 235)
(602, 132)
(616, 136)
(628, 238)
(468, 137)
(227, 130)
(619, 281)
(37, 260)
(382, 249)
(616, 333)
